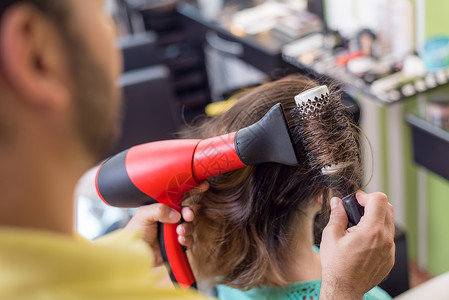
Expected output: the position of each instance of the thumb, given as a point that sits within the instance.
(338, 220)
(157, 213)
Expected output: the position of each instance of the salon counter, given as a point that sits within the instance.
(430, 144)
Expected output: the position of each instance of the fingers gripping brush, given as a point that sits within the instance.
(330, 143)
(164, 171)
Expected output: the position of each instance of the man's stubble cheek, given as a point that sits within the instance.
(98, 104)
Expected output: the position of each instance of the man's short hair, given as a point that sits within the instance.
(4, 5)
(55, 9)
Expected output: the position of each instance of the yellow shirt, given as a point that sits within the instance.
(41, 265)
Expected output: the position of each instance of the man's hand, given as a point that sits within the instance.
(146, 218)
(355, 260)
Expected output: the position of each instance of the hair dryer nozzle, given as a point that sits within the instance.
(268, 140)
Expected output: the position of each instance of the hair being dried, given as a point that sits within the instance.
(328, 140)
(245, 223)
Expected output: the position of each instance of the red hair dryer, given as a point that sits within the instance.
(164, 171)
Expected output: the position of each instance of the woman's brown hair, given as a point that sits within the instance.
(245, 223)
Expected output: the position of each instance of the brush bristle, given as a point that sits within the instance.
(313, 106)
(328, 138)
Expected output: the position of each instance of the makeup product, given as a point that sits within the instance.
(436, 53)
(438, 110)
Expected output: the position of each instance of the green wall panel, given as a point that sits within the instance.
(411, 185)
(437, 20)
(437, 23)
(438, 224)
(384, 127)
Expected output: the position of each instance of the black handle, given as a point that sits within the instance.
(353, 209)
(174, 256)
(160, 235)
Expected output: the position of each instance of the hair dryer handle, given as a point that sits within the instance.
(174, 256)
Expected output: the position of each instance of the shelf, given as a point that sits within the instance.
(430, 145)
(403, 88)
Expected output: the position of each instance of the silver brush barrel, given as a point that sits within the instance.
(310, 105)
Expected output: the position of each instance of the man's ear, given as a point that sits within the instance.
(32, 57)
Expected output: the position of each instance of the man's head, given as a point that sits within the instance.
(58, 69)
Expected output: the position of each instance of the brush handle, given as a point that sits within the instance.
(353, 209)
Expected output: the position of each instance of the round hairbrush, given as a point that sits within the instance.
(330, 142)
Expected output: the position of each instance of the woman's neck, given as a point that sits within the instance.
(304, 264)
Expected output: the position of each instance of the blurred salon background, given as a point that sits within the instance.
(184, 59)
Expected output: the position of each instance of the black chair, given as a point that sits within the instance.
(140, 50)
(397, 281)
(151, 111)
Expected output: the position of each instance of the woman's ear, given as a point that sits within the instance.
(320, 200)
